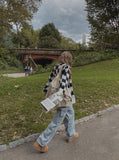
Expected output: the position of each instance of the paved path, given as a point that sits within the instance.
(98, 140)
(15, 75)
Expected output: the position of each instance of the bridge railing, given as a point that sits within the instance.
(42, 51)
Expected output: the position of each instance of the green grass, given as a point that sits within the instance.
(11, 70)
(96, 87)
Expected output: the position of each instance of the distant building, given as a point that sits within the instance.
(84, 39)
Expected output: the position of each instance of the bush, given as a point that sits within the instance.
(9, 61)
(3, 52)
(83, 58)
(47, 68)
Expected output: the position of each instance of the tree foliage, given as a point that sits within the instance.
(68, 43)
(49, 42)
(103, 16)
(27, 37)
(16, 13)
(49, 36)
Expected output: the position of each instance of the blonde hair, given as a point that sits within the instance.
(66, 58)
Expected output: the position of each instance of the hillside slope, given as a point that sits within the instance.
(96, 87)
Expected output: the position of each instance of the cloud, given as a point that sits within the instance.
(69, 17)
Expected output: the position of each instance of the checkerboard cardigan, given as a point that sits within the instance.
(64, 81)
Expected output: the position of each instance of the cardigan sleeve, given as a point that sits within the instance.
(51, 77)
(64, 81)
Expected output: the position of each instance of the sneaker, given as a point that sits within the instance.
(71, 139)
(40, 148)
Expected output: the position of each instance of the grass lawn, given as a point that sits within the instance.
(96, 87)
(10, 70)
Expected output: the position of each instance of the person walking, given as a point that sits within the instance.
(64, 113)
(31, 70)
(26, 71)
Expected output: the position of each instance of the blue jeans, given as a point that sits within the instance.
(63, 114)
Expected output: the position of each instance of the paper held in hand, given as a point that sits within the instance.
(50, 102)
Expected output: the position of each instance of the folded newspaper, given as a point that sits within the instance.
(51, 102)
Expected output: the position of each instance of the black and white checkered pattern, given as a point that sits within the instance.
(65, 80)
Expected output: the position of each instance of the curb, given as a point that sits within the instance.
(33, 137)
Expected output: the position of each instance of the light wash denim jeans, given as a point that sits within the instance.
(63, 114)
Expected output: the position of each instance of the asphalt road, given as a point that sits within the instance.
(98, 140)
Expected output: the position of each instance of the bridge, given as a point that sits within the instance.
(40, 56)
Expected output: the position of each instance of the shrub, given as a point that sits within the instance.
(47, 68)
(9, 61)
(83, 58)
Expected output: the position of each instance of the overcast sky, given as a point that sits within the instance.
(68, 17)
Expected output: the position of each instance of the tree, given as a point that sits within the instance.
(103, 16)
(34, 40)
(49, 36)
(15, 14)
(49, 42)
(27, 37)
(68, 43)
